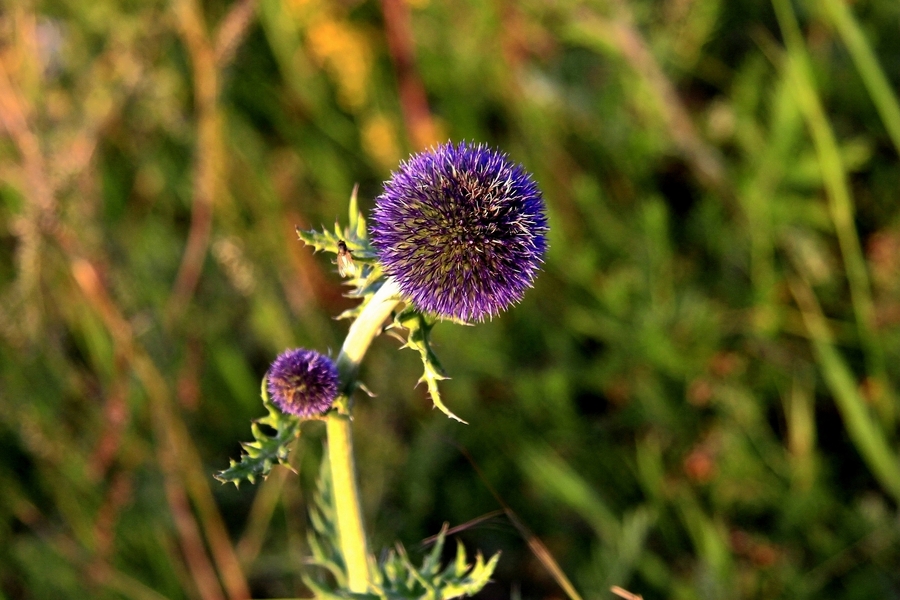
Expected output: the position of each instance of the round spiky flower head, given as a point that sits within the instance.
(461, 229)
(302, 382)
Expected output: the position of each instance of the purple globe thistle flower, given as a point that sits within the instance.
(461, 229)
(302, 382)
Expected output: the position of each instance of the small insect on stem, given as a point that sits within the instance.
(345, 264)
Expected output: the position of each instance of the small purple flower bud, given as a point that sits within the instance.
(302, 382)
(461, 229)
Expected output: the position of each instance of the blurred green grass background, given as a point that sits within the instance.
(698, 400)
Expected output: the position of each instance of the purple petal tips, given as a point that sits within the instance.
(461, 229)
(302, 382)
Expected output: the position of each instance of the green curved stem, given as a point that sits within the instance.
(352, 537)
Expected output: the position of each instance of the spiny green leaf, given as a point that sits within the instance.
(432, 562)
(365, 275)
(357, 221)
(327, 241)
(350, 313)
(354, 235)
(460, 566)
(478, 577)
(419, 327)
(265, 451)
(415, 576)
(320, 591)
(403, 580)
(396, 577)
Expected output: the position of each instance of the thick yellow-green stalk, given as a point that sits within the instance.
(352, 537)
